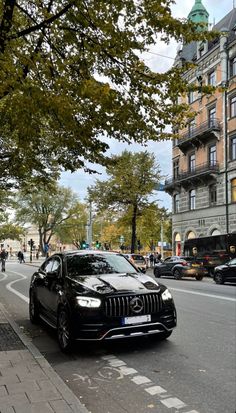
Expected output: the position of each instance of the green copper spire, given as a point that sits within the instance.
(198, 14)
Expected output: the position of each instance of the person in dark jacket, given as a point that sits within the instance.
(3, 257)
(21, 257)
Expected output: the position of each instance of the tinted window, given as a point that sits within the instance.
(94, 264)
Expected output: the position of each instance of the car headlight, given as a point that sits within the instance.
(166, 295)
(88, 302)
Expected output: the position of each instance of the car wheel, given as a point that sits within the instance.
(199, 277)
(64, 334)
(218, 278)
(33, 308)
(177, 274)
(157, 273)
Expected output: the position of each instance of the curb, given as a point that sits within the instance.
(63, 389)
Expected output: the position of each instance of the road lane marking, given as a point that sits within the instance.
(168, 401)
(155, 390)
(173, 402)
(220, 297)
(9, 286)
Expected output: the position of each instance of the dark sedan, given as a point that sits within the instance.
(179, 267)
(226, 272)
(99, 295)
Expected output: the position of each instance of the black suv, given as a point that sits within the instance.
(99, 295)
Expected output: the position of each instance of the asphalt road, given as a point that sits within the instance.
(191, 372)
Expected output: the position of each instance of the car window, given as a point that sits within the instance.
(47, 266)
(94, 264)
(56, 265)
(233, 261)
(169, 259)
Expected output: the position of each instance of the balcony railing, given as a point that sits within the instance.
(198, 134)
(200, 171)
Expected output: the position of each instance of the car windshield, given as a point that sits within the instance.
(138, 257)
(94, 264)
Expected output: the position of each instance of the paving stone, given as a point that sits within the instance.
(60, 406)
(48, 392)
(23, 387)
(13, 378)
(3, 391)
(7, 409)
(42, 407)
(13, 399)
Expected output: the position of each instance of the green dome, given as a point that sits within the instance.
(198, 14)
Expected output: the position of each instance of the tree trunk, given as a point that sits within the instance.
(133, 229)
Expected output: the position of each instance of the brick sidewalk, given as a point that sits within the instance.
(28, 384)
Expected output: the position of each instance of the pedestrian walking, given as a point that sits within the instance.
(151, 259)
(3, 257)
(21, 257)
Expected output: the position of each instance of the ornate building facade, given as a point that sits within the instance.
(203, 182)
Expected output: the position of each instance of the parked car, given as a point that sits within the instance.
(226, 272)
(179, 266)
(99, 295)
(139, 260)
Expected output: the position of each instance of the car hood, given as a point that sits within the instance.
(107, 283)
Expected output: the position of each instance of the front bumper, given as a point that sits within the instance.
(109, 329)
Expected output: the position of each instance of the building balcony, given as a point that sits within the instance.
(199, 175)
(199, 135)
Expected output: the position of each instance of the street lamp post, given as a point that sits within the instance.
(162, 220)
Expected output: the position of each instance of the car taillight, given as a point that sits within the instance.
(184, 263)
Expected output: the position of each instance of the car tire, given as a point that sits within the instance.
(177, 274)
(64, 333)
(157, 273)
(218, 278)
(199, 277)
(33, 308)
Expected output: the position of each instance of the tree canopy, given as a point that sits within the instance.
(72, 75)
(132, 178)
(47, 211)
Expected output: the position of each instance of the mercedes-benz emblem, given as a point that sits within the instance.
(136, 305)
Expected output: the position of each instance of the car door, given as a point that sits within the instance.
(167, 265)
(41, 283)
(53, 288)
(231, 271)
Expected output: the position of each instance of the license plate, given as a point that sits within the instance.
(136, 319)
(195, 265)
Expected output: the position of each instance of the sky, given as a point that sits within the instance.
(80, 181)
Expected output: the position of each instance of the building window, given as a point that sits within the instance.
(192, 199)
(191, 128)
(233, 148)
(176, 203)
(191, 96)
(233, 107)
(212, 116)
(192, 162)
(212, 155)
(233, 190)
(233, 66)
(176, 169)
(212, 194)
(212, 78)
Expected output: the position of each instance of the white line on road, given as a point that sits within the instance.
(9, 286)
(220, 297)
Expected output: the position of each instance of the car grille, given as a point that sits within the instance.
(120, 306)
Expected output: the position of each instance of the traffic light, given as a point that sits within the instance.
(31, 243)
(98, 244)
(83, 245)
